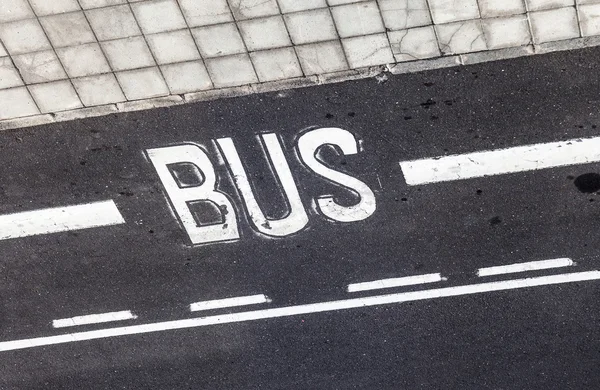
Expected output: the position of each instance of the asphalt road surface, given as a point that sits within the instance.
(122, 267)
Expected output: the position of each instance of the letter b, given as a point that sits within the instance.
(182, 196)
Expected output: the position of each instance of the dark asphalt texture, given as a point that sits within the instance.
(538, 338)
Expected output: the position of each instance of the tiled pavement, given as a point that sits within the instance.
(65, 55)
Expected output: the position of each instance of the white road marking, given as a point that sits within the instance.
(229, 302)
(395, 282)
(94, 319)
(501, 161)
(180, 196)
(59, 219)
(301, 309)
(296, 218)
(524, 267)
(309, 144)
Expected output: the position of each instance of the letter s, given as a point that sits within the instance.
(308, 145)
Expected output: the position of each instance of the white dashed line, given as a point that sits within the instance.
(501, 161)
(300, 310)
(524, 267)
(94, 319)
(229, 302)
(395, 282)
(59, 219)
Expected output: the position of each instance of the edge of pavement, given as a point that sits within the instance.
(378, 72)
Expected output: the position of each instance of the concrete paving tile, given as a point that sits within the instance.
(288, 6)
(83, 60)
(231, 71)
(174, 46)
(128, 53)
(311, 26)
(264, 33)
(538, 5)
(461, 37)
(276, 64)
(40, 67)
(113, 22)
(205, 12)
(506, 32)
(494, 8)
(142, 83)
(186, 77)
(219, 40)
(358, 19)
(11, 10)
(68, 29)
(158, 16)
(323, 57)
(17, 102)
(9, 76)
(589, 16)
(368, 50)
(402, 14)
(51, 7)
(98, 90)
(445, 11)
(89, 4)
(248, 9)
(23, 36)
(414, 44)
(55, 96)
(554, 25)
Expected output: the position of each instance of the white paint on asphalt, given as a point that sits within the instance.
(344, 141)
(59, 219)
(501, 161)
(524, 267)
(301, 309)
(229, 302)
(395, 282)
(296, 218)
(94, 319)
(181, 196)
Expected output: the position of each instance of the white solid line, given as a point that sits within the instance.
(94, 319)
(301, 309)
(395, 282)
(59, 219)
(501, 161)
(524, 267)
(229, 302)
